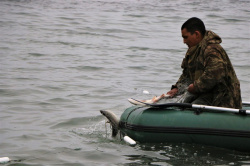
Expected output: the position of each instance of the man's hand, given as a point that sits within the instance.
(191, 89)
(173, 92)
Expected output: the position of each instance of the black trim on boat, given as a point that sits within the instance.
(186, 130)
(242, 112)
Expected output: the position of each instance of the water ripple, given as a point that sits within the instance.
(63, 61)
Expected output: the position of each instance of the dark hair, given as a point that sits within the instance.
(194, 24)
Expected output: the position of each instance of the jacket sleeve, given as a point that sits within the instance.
(182, 82)
(214, 71)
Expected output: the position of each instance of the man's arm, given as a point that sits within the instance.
(173, 92)
(212, 75)
(183, 78)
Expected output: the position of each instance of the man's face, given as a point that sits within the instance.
(190, 39)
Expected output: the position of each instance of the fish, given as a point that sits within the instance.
(155, 99)
(113, 120)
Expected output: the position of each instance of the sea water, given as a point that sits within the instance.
(63, 61)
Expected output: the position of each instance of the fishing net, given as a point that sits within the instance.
(183, 96)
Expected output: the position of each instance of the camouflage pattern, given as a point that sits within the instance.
(208, 66)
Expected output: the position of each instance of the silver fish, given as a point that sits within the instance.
(113, 119)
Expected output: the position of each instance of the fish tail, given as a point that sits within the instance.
(114, 121)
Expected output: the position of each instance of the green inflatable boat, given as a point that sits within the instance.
(185, 123)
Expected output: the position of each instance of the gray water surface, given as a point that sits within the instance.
(63, 61)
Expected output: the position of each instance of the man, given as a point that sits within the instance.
(207, 68)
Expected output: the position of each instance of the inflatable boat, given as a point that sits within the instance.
(185, 123)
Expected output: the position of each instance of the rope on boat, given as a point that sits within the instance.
(188, 105)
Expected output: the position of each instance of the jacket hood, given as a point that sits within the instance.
(211, 38)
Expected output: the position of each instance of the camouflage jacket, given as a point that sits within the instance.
(208, 66)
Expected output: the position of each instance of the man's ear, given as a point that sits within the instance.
(198, 34)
